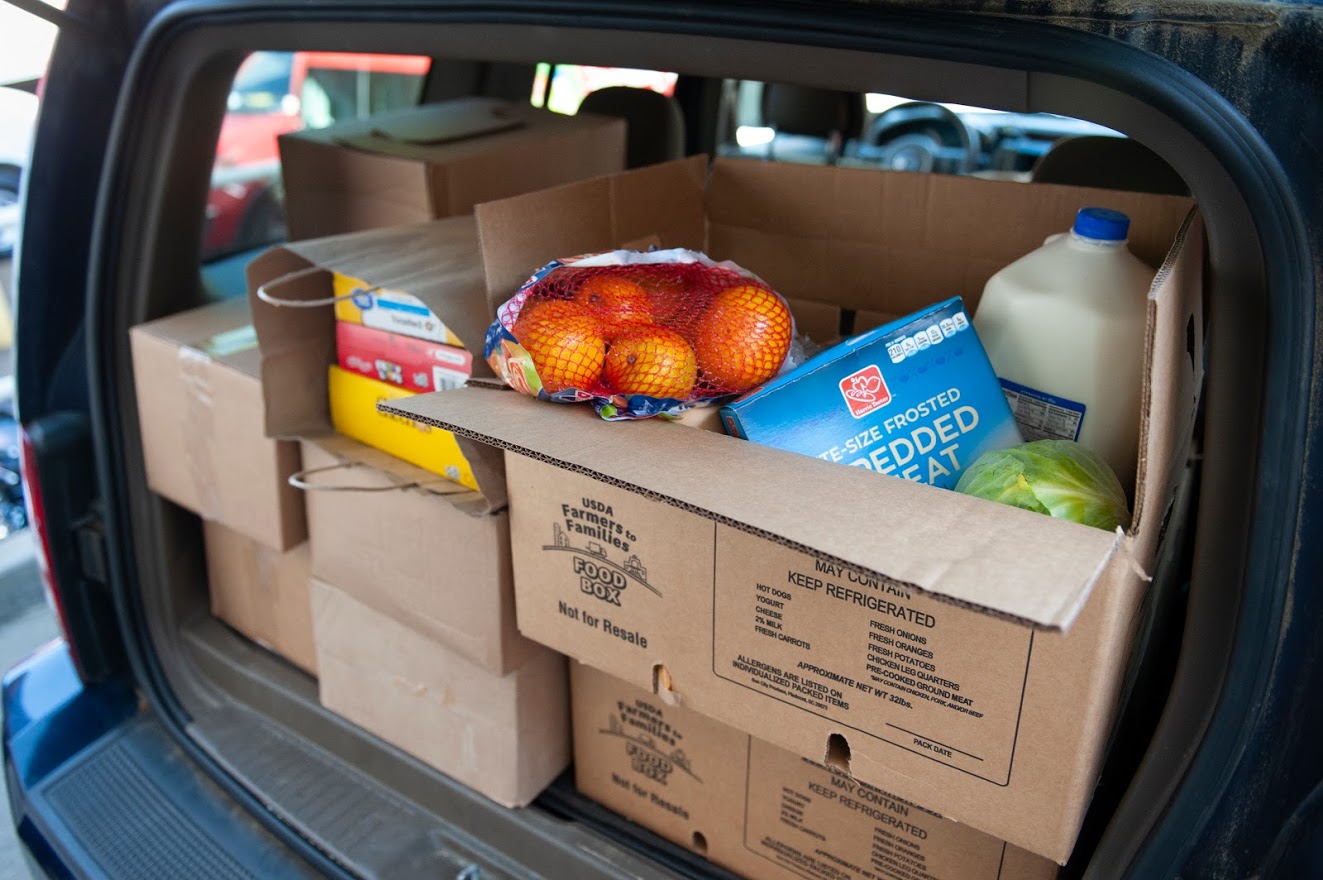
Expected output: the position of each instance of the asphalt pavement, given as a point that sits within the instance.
(26, 620)
(26, 623)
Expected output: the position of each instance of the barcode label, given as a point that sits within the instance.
(447, 380)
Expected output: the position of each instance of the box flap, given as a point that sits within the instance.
(297, 345)
(331, 190)
(436, 262)
(1001, 560)
(412, 133)
(446, 131)
(849, 236)
(522, 234)
(1173, 365)
(363, 468)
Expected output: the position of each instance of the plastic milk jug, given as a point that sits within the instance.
(1064, 329)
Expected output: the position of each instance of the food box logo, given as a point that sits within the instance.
(586, 531)
(599, 578)
(652, 753)
(865, 390)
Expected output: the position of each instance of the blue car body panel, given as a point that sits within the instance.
(49, 717)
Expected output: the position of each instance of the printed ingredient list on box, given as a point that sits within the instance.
(886, 663)
(795, 808)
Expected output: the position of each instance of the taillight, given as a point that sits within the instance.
(32, 499)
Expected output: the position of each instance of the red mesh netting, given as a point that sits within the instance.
(686, 331)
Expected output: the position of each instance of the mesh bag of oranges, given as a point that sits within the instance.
(640, 334)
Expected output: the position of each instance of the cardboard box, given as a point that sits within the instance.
(759, 810)
(200, 412)
(354, 413)
(505, 736)
(430, 557)
(436, 558)
(958, 653)
(434, 161)
(436, 264)
(262, 593)
(412, 364)
(916, 399)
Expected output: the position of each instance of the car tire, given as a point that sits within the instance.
(264, 223)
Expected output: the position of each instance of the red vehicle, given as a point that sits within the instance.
(279, 92)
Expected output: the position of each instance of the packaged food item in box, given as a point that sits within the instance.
(640, 334)
(354, 413)
(1064, 328)
(413, 364)
(915, 398)
(391, 310)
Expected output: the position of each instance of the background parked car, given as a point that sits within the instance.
(18, 120)
(279, 92)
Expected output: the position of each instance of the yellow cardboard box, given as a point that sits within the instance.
(354, 413)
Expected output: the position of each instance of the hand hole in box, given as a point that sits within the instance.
(838, 753)
(699, 843)
(664, 686)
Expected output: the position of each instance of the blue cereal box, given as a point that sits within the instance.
(915, 398)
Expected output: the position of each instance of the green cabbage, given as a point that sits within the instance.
(1056, 477)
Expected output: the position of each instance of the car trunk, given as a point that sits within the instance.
(379, 812)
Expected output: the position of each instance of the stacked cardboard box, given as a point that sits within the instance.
(413, 594)
(201, 417)
(506, 736)
(262, 593)
(960, 654)
(201, 413)
(394, 544)
(842, 632)
(760, 810)
(436, 160)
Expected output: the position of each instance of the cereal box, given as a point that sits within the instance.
(915, 398)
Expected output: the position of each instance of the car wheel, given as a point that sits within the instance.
(264, 223)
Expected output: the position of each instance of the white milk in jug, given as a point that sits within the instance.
(1064, 329)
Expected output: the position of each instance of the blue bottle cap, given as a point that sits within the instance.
(1101, 224)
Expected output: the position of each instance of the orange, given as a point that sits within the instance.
(672, 302)
(651, 360)
(742, 339)
(541, 309)
(615, 299)
(567, 352)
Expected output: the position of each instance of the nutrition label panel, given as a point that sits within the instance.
(1042, 416)
(933, 679)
